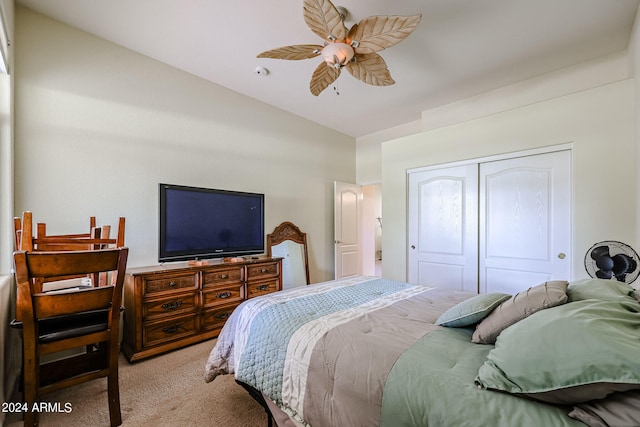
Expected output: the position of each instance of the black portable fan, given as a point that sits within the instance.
(611, 259)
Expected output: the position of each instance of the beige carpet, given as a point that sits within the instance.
(167, 390)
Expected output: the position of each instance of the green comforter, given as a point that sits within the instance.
(432, 384)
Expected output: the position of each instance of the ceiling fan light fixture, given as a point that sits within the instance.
(337, 54)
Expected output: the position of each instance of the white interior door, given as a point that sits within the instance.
(525, 221)
(347, 229)
(443, 230)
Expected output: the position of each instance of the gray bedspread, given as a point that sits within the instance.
(365, 352)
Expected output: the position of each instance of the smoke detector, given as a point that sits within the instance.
(261, 71)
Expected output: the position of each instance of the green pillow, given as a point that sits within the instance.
(598, 289)
(568, 354)
(472, 310)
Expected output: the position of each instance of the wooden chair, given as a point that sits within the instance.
(99, 238)
(24, 231)
(87, 319)
(95, 238)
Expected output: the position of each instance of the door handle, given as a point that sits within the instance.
(562, 255)
(337, 242)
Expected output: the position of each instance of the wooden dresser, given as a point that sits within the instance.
(174, 305)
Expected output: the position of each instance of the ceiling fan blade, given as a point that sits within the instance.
(324, 20)
(371, 69)
(376, 33)
(352, 31)
(295, 52)
(322, 77)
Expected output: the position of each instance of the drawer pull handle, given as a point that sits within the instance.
(224, 295)
(171, 329)
(172, 305)
(224, 276)
(173, 284)
(262, 287)
(264, 270)
(224, 315)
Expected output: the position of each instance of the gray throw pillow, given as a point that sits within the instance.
(522, 305)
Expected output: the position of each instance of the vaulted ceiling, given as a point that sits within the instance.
(461, 48)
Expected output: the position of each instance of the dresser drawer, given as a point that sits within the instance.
(222, 276)
(172, 306)
(263, 287)
(154, 333)
(223, 295)
(215, 319)
(262, 270)
(170, 284)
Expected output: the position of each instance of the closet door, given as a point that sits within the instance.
(525, 221)
(442, 227)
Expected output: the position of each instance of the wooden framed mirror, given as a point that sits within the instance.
(290, 243)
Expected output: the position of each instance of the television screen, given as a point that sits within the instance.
(200, 223)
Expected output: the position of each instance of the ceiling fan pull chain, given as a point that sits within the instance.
(335, 84)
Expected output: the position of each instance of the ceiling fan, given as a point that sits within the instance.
(354, 49)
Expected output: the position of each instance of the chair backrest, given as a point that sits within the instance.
(34, 267)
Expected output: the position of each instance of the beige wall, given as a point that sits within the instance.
(586, 75)
(598, 122)
(369, 151)
(99, 126)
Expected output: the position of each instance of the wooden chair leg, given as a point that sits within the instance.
(31, 383)
(30, 419)
(114, 400)
(113, 387)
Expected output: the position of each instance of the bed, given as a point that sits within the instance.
(366, 351)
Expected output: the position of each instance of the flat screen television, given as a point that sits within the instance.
(202, 223)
